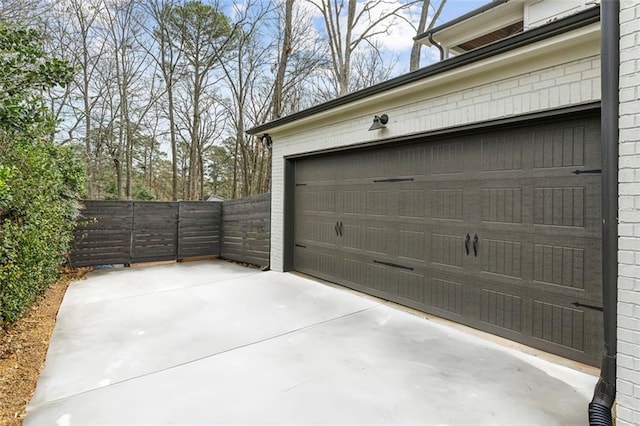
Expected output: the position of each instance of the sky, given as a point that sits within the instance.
(398, 42)
(455, 8)
(401, 41)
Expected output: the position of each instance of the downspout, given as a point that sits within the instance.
(605, 391)
(434, 43)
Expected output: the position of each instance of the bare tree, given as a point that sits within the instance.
(31, 13)
(242, 73)
(349, 25)
(414, 63)
(167, 57)
(285, 51)
(78, 32)
(300, 56)
(132, 70)
(180, 72)
(368, 66)
(202, 34)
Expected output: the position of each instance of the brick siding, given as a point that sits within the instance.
(628, 383)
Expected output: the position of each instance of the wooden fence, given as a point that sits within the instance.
(246, 229)
(125, 232)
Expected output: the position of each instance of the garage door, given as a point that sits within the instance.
(494, 229)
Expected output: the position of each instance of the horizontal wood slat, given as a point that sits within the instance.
(199, 229)
(103, 234)
(246, 229)
(124, 232)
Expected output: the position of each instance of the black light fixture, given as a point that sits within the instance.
(379, 122)
(266, 141)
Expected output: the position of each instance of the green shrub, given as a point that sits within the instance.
(39, 182)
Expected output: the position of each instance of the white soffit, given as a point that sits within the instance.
(484, 23)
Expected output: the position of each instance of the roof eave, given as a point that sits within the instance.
(462, 18)
(558, 27)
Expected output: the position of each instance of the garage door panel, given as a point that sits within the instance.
(316, 261)
(449, 157)
(447, 203)
(377, 202)
(413, 160)
(358, 269)
(411, 286)
(572, 265)
(370, 164)
(559, 206)
(503, 257)
(559, 265)
(568, 208)
(445, 245)
(371, 238)
(445, 294)
(317, 199)
(397, 222)
(412, 203)
(503, 151)
(503, 310)
(412, 245)
(316, 230)
(319, 169)
(446, 249)
(562, 145)
(559, 324)
(502, 205)
(355, 202)
(368, 199)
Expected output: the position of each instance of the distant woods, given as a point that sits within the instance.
(163, 91)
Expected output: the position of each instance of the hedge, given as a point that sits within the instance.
(39, 181)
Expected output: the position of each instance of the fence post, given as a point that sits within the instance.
(133, 221)
(177, 240)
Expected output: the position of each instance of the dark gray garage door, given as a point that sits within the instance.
(493, 229)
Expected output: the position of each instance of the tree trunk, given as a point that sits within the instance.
(87, 118)
(284, 58)
(195, 135)
(201, 167)
(234, 191)
(414, 62)
(174, 143)
(346, 66)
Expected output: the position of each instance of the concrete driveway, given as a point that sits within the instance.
(212, 342)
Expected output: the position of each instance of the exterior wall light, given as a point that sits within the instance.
(266, 141)
(379, 122)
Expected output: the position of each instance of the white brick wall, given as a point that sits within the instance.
(628, 383)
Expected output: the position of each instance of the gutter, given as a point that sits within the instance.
(605, 392)
(525, 38)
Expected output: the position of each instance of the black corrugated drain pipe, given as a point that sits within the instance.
(605, 391)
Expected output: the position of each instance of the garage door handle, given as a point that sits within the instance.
(475, 245)
(467, 240)
(340, 229)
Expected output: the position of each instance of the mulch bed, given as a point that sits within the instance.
(23, 348)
